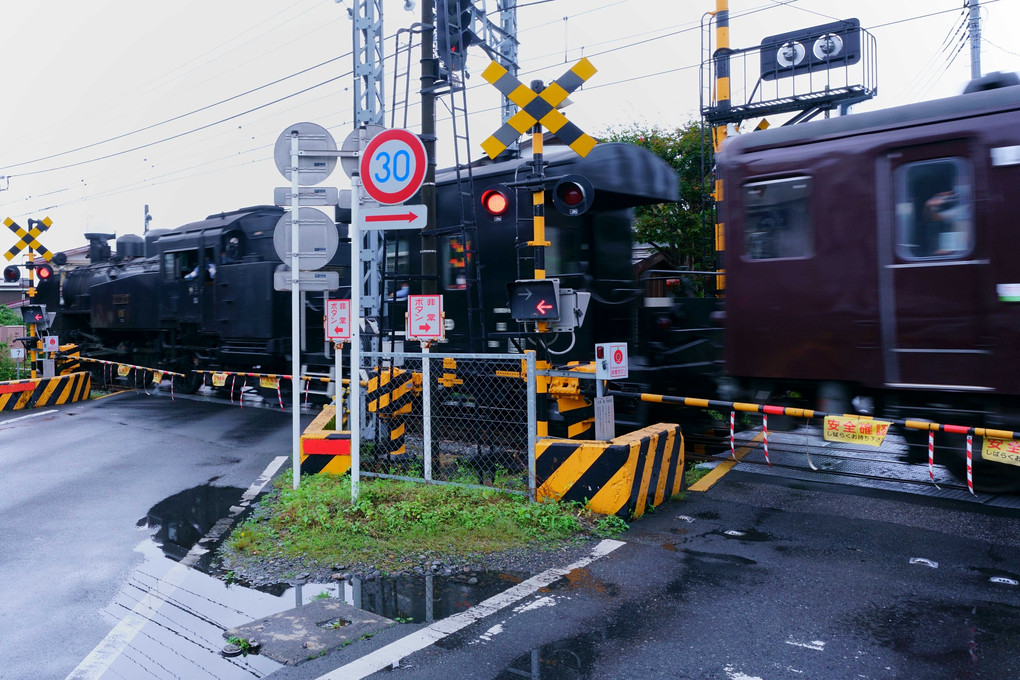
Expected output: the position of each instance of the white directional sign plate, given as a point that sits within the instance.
(393, 217)
(425, 317)
(311, 137)
(338, 319)
(317, 239)
(309, 281)
(393, 166)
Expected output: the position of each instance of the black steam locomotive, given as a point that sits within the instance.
(202, 296)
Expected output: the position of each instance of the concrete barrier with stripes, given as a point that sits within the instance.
(322, 450)
(621, 477)
(62, 389)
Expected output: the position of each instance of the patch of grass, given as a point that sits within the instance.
(394, 521)
(243, 644)
(693, 473)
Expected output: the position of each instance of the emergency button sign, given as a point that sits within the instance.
(338, 320)
(425, 317)
(611, 361)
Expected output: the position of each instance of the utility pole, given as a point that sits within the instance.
(429, 75)
(975, 38)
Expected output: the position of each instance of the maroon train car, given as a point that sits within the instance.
(875, 255)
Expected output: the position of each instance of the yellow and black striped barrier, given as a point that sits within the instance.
(16, 395)
(390, 392)
(325, 451)
(621, 477)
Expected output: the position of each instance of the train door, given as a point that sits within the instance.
(934, 269)
(183, 278)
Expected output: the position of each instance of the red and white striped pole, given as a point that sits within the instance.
(765, 435)
(931, 457)
(970, 464)
(733, 451)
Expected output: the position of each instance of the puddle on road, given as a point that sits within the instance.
(569, 659)
(962, 640)
(184, 518)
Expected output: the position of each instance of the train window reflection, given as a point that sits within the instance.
(457, 254)
(776, 222)
(934, 209)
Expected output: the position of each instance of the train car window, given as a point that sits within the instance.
(456, 258)
(170, 267)
(776, 219)
(934, 209)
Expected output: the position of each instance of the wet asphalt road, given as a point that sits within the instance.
(818, 583)
(758, 578)
(78, 490)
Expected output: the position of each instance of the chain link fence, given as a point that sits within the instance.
(450, 418)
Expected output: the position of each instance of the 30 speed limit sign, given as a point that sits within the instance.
(393, 166)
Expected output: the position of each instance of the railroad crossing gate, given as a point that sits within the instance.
(28, 239)
(538, 108)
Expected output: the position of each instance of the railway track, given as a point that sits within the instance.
(802, 454)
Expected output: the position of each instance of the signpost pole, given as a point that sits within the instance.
(426, 408)
(354, 401)
(295, 311)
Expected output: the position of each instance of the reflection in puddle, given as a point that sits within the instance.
(570, 659)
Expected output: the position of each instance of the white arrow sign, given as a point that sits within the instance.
(393, 217)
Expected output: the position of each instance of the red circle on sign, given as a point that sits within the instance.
(618, 357)
(392, 166)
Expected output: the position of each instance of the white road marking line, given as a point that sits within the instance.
(816, 645)
(106, 652)
(30, 415)
(391, 654)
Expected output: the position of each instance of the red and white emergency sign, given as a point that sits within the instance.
(611, 361)
(338, 320)
(425, 317)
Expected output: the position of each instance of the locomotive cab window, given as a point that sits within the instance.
(934, 209)
(776, 219)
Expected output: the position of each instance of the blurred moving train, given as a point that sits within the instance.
(870, 262)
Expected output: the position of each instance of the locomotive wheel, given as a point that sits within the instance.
(192, 381)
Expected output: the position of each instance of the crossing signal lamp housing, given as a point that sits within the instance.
(573, 194)
(534, 299)
(35, 315)
(43, 271)
(12, 274)
(453, 32)
(498, 203)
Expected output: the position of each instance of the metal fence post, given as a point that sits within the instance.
(532, 418)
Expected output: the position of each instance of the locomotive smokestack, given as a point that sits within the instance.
(99, 247)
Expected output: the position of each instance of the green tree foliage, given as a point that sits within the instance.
(677, 230)
(8, 317)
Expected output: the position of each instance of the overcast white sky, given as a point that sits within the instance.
(109, 105)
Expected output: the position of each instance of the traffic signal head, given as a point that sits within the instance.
(573, 194)
(498, 203)
(43, 271)
(453, 32)
(35, 315)
(12, 274)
